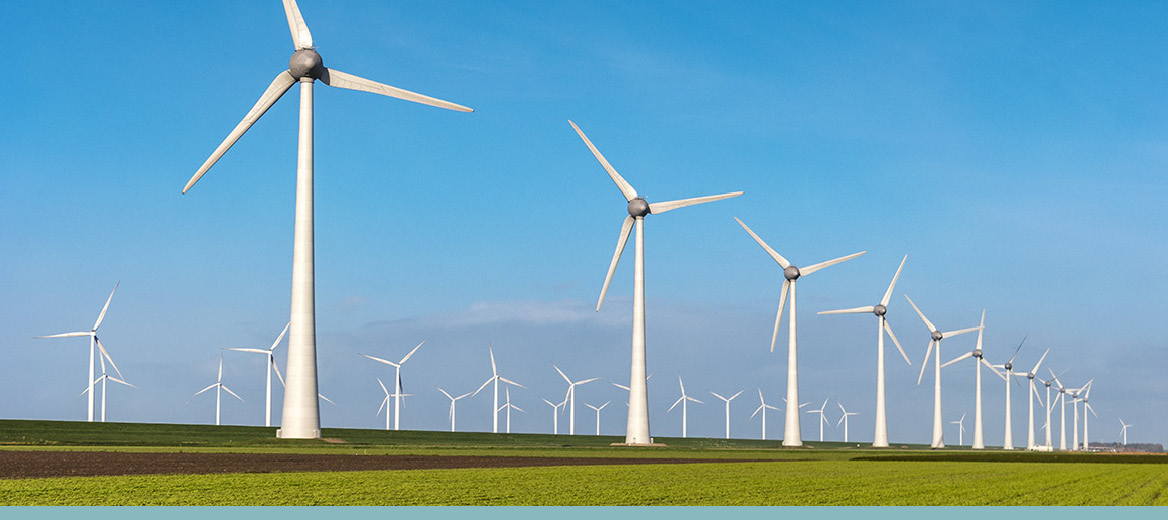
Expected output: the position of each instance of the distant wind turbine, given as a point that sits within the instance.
(219, 388)
(556, 414)
(762, 407)
(598, 409)
(728, 399)
(1008, 367)
(453, 400)
(268, 368)
(844, 419)
(1123, 430)
(106, 377)
(570, 398)
(508, 406)
(1030, 399)
(683, 401)
(935, 341)
(960, 429)
(822, 417)
(637, 429)
(93, 342)
(397, 389)
(495, 378)
(978, 437)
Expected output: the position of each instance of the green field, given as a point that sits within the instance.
(830, 474)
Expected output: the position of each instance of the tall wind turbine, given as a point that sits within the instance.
(270, 366)
(822, 417)
(683, 401)
(1062, 397)
(935, 340)
(453, 400)
(1123, 430)
(598, 409)
(792, 436)
(637, 429)
(880, 309)
(844, 419)
(219, 388)
(106, 377)
(1030, 399)
(1008, 367)
(93, 341)
(570, 398)
(978, 438)
(960, 429)
(762, 407)
(1087, 408)
(1049, 408)
(728, 399)
(495, 378)
(301, 417)
(397, 385)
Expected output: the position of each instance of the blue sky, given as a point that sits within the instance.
(1014, 151)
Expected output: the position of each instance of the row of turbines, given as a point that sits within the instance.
(301, 416)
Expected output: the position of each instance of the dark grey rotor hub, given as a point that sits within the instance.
(1047, 383)
(1030, 375)
(306, 63)
(937, 335)
(879, 310)
(791, 273)
(638, 207)
(977, 353)
(1009, 366)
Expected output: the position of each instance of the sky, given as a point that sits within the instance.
(1013, 150)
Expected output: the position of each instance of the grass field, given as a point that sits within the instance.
(832, 474)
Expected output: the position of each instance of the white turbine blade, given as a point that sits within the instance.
(101, 316)
(841, 420)
(736, 395)
(694, 400)
(561, 373)
(66, 335)
(1037, 395)
(921, 314)
(1088, 406)
(622, 387)
(779, 316)
(463, 395)
(517, 409)
(116, 380)
(719, 396)
(626, 229)
(448, 396)
(336, 78)
(384, 402)
(778, 258)
(379, 360)
(661, 207)
(888, 293)
(811, 269)
(255, 350)
(756, 410)
(841, 407)
(888, 329)
(301, 38)
(981, 329)
(966, 355)
(854, 310)
(487, 382)
(330, 401)
(220, 368)
(578, 383)
(383, 389)
(228, 390)
(510, 382)
(403, 361)
(1036, 365)
(959, 332)
(205, 389)
(624, 186)
(1018, 349)
(925, 363)
(675, 403)
(277, 88)
(281, 337)
(272, 360)
(105, 354)
(681, 384)
(494, 368)
(825, 399)
(987, 363)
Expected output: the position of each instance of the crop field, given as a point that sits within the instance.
(831, 474)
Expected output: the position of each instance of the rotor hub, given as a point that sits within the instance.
(1030, 375)
(977, 353)
(1009, 366)
(791, 273)
(879, 310)
(306, 63)
(937, 335)
(638, 207)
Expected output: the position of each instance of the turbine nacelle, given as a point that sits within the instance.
(638, 207)
(791, 273)
(977, 353)
(306, 63)
(937, 335)
(879, 310)
(1009, 366)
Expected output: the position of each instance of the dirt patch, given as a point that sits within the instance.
(41, 464)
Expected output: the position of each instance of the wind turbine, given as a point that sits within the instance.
(960, 429)
(1062, 397)
(1030, 399)
(844, 419)
(880, 309)
(1075, 407)
(1008, 367)
(1087, 408)
(397, 390)
(570, 397)
(598, 409)
(270, 366)
(792, 436)
(822, 417)
(219, 388)
(301, 417)
(637, 429)
(683, 401)
(104, 377)
(762, 407)
(978, 438)
(935, 340)
(728, 399)
(452, 401)
(93, 341)
(508, 406)
(495, 378)
(385, 401)
(1123, 430)
(555, 415)
(1049, 409)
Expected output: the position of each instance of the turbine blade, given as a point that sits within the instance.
(624, 186)
(487, 382)
(276, 89)
(205, 389)
(736, 395)
(888, 293)
(719, 396)
(301, 38)
(272, 360)
(220, 368)
(841, 420)
(921, 314)
(66, 335)
(255, 350)
(105, 353)
(383, 389)
(101, 316)
(281, 337)
(626, 229)
(778, 258)
(966, 355)
(330, 401)
(228, 390)
(811, 269)
(981, 329)
(403, 361)
(336, 78)
(1036, 365)
(510, 382)
(1019, 348)
(384, 402)
(116, 380)
(987, 363)
(1038, 396)
(888, 329)
(561, 373)
(494, 368)
(622, 387)
(379, 360)
(756, 410)
(854, 310)
(661, 207)
(578, 383)
(925, 363)
(959, 332)
(694, 400)
(675, 403)
(779, 316)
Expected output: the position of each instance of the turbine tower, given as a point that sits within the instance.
(1062, 398)
(792, 436)
(683, 401)
(555, 415)
(1049, 409)
(397, 385)
(637, 428)
(762, 407)
(1008, 367)
(301, 416)
(1030, 399)
(728, 399)
(880, 309)
(598, 409)
(1123, 430)
(978, 438)
(1087, 408)
(93, 341)
(268, 368)
(935, 340)
(219, 388)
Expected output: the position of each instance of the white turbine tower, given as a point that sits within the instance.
(637, 429)
(978, 437)
(1008, 367)
(844, 419)
(1049, 409)
(1087, 408)
(822, 417)
(683, 401)
(570, 398)
(453, 400)
(93, 341)
(880, 309)
(508, 406)
(268, 368)
(219, 388)
(1030, 399)
(555, 415)
(792, 436)
(106, 377)
(1062, 398)
(763, 407)
(728, 399)
(397, 389)
(598, 409)
(301, 417)
(935, 340)
(495, 378)
(960, 429)
(1123, 430)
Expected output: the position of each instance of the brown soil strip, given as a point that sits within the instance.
(41, 464)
